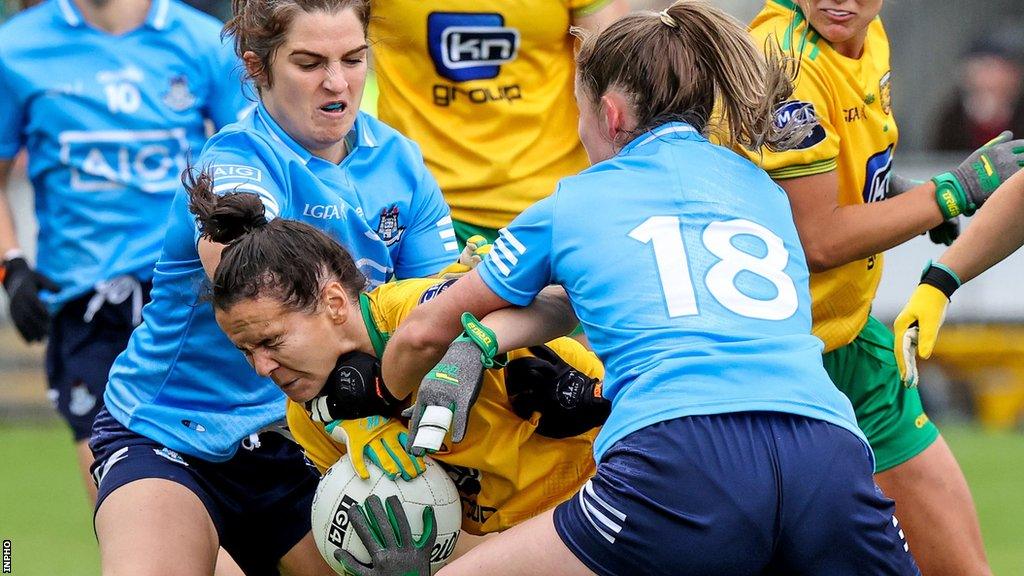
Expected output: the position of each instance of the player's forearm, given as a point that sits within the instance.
(8, 236)
(424, 336)
(993, 234)
(549, 316)
(855, 232)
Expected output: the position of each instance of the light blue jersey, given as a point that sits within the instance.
(683, 264)
(180, 381)
(108, 122)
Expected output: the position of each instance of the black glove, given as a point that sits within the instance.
(570, 402)
(944, 233)
(28, 312)
(388, 538)
(354, 389)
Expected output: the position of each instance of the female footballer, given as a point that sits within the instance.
(727, 450)
(182, 462)
(292, 299)
(842, 191)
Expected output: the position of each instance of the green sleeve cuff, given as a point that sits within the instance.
(591, 8)
(950, 196)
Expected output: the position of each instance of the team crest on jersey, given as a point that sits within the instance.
(388, 229)
(876, 181)
(885, 92)
(466, 46)
(798, 112)
(178, 96)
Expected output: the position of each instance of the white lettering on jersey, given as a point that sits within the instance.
(149, 160)
(670, 257)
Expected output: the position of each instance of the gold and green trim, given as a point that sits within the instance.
(377, 338)
(808, 36)
(819, 167)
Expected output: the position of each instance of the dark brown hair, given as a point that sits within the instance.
(693, 63)
(287, 260)
(260, 26)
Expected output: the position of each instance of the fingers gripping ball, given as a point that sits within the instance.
(341, 489)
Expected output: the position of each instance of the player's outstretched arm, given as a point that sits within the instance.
(834, 235)
(994, 234)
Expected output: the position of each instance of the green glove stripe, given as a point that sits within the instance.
(371, 519)
(397, 461)
(394, 522)
(428, 526)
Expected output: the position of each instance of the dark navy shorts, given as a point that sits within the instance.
(744, 493)
(259, 500)
(79, 355)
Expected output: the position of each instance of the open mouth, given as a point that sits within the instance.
(335, 107)
(838, 14)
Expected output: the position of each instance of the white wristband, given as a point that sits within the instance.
(12, 254)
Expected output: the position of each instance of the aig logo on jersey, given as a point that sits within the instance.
(466, 46)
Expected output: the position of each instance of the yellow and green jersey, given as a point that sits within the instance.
(486, 89)
(504, 471)
(857, 138)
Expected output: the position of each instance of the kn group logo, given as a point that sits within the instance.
(470, 46)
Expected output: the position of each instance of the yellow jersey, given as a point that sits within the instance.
(857, 138)
(504, 471)
(486, 89)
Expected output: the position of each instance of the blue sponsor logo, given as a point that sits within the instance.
(876, 181)
(798, 112)
(433, 291)
(467, 46)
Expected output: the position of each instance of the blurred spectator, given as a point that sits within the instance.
(988, 99)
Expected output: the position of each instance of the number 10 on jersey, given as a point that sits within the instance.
(670, 256)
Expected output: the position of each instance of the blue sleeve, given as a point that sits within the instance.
(239, 163)
(519, 265)
(429, 244)
(11, 117)
(226, 101)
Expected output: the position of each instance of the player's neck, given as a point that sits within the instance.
(114, 16)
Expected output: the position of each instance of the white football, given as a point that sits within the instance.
(341, 488)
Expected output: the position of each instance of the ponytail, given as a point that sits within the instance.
(221, 219)
(286, 260)
(693, 63)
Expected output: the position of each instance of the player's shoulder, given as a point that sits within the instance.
(239, 145)
(33, 26)
(201, 24)
(376, 133)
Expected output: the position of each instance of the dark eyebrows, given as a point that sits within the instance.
(317, 55)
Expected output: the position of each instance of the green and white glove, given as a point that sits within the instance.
(944, 233)
(968, 186)
(386, 533)
(450, 388)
